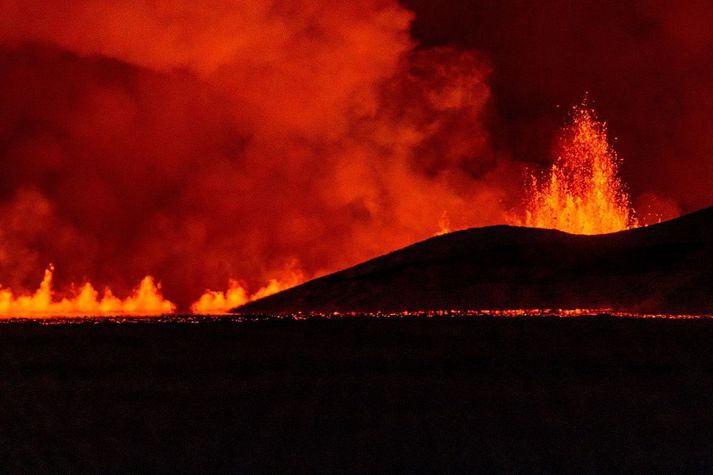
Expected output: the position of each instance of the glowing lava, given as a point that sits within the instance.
(146, 300)
(216, 302)
(583, 193)
(444, 225)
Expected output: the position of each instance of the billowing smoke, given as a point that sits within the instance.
(202, 141)
(647, 64)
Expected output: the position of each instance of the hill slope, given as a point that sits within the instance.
(666, 267)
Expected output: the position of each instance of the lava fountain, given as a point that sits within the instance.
(217, 302)
(582, 193)
(145, 300)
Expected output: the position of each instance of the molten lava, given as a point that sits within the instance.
(216, 302)
(583, 193)
(146, 300)
(444, 225)
(212, 302)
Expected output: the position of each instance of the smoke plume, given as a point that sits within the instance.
(203, 141)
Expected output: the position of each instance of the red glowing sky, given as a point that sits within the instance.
(203, 141)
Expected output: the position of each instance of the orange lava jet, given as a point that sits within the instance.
(217, 302)
(583, 193)
(444, 225)
(146, 300)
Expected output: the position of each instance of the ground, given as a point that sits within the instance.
(359, 395)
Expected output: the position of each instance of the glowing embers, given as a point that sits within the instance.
(582, 193)
(145, 300)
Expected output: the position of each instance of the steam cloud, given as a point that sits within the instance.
(198, 142)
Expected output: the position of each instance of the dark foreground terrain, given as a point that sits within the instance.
(359, 395)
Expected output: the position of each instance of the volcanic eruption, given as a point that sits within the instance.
(227, 153)
(583, 193)
(146, 299)
(361, 236)
(580, 263)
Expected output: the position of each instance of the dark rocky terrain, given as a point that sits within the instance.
(664, 268)
(359, 395)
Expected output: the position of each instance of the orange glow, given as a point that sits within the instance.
(216, 302)
(583, 193)
(146, 300)
(444, 225)
(212, 302)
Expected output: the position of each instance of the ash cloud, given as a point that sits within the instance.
(233, 139)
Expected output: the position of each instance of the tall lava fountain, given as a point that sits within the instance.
(583, 193)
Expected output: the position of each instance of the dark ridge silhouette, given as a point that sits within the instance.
(664, 268)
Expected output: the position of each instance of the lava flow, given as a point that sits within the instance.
(583, 193)
(146, 300)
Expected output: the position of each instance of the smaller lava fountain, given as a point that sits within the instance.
(217, 302)
(146, 299)
(583, 193)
